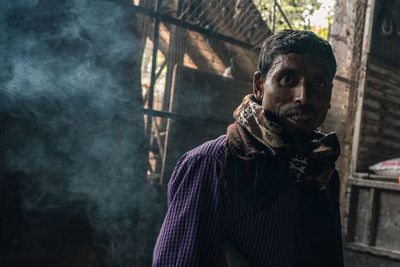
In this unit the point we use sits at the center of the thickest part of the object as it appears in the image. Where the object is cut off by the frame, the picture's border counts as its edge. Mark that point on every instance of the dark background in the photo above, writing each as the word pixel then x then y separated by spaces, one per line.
pixel 72 187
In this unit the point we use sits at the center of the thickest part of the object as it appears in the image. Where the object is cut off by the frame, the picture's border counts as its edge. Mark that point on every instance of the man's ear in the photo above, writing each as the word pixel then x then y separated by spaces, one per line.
pixel 258 89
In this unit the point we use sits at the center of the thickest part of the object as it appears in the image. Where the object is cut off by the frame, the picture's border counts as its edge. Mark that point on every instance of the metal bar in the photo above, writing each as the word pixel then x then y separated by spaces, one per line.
pixel 163 114
pixel 164 156
pixel 284 16
pixel 175 55
pixel 189 26
pixel 156 35
pixel 161 69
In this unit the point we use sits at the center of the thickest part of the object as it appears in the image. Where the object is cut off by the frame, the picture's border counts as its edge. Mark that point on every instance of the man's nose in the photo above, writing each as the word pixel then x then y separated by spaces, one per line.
pixel 301 93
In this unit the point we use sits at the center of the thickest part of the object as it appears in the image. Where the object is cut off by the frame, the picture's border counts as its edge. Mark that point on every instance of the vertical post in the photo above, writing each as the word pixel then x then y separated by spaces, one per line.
pixel 373 216
pixel 153 71
pixel 176 52
pixel 362 82
pixel 352 213
pixel 283 15
pixel 273 16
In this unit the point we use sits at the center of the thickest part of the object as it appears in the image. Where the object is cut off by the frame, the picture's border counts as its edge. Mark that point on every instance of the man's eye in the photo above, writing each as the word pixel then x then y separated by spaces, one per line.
pixel 285 80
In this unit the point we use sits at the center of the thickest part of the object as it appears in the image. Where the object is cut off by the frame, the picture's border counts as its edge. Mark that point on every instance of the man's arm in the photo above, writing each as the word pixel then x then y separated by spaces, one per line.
pixel 192 232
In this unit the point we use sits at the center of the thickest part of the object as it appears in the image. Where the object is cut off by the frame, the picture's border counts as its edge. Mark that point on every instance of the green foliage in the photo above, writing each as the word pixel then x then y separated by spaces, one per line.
pixel 298 12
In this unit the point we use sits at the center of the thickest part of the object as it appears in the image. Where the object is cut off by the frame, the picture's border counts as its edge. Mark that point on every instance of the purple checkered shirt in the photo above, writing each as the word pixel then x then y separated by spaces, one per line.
pixel 202 214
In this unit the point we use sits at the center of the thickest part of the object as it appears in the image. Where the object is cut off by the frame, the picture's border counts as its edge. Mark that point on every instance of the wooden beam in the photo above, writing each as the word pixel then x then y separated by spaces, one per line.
pixel 208 32
pixel 390 253
pixel 345 80
pixel 161 69
pixel 162 114
pixel 372 216
pixel 375 184
pixel 352 214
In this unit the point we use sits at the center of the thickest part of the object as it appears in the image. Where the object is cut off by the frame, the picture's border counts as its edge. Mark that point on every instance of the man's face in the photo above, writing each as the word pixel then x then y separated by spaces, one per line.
pixel 297 88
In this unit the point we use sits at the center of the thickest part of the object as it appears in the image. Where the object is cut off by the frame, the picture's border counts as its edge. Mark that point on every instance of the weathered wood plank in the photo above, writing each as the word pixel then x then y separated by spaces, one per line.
pixel 394 254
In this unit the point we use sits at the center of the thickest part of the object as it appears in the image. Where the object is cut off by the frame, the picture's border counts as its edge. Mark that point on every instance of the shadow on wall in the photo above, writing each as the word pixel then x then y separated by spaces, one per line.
pixel 72 178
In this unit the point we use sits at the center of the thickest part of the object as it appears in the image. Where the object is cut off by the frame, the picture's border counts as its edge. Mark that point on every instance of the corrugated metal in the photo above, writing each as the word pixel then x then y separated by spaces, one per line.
pixel 380 124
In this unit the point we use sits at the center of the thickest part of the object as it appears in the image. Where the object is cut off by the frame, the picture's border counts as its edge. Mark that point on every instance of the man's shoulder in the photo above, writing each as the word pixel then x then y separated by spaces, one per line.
pixel 213 148
pixel 194 164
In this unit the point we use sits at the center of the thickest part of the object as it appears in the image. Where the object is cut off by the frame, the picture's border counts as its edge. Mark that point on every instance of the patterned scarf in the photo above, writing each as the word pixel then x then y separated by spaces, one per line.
pixel 252 117
pixel 314 163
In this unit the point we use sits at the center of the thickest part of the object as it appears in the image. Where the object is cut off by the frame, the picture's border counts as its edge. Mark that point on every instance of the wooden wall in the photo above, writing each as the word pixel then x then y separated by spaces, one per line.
pixel 372 215
pixel 346 36
pixel 380 122
pixel 336 118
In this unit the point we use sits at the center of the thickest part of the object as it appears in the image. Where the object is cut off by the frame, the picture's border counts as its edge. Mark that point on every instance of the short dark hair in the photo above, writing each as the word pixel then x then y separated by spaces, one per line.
pixel 294 41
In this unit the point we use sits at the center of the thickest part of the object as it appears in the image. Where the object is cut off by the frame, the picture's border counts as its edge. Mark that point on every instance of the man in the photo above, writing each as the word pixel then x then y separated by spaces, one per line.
pixel 266 194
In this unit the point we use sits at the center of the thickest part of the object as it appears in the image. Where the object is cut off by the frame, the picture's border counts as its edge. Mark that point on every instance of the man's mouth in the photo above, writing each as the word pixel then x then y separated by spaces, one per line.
pixel 300 117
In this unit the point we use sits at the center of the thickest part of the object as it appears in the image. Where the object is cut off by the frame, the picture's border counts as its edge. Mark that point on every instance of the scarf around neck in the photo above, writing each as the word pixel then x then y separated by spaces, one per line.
pixel 315 163
pixel 251 116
